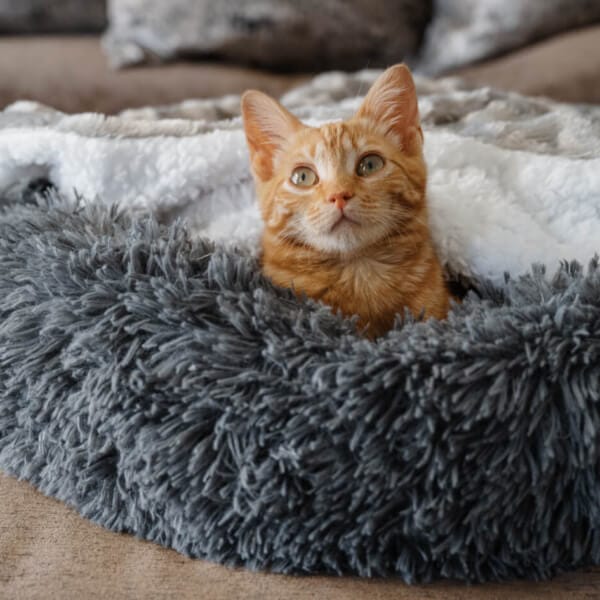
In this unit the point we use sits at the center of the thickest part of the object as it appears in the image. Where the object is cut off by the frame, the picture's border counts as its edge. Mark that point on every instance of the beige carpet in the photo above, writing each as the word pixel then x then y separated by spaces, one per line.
pixel 48 551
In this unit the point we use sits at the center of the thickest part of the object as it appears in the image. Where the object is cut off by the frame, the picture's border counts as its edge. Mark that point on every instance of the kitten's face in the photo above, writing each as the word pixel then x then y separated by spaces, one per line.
pixel 340 187
pixel 346 185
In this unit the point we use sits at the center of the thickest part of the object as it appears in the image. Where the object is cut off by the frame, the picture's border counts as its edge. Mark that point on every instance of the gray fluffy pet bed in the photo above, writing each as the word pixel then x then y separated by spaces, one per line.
pixel 162 387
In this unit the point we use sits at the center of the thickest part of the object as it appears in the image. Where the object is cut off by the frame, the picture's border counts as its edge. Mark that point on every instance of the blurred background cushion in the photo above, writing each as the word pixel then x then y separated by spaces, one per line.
pixel 565 67
pixel 465 31
pixel 52 16
pixel 283 34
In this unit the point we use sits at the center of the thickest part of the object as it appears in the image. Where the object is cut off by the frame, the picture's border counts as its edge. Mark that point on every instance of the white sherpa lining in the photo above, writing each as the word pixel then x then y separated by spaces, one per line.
pixel 512 181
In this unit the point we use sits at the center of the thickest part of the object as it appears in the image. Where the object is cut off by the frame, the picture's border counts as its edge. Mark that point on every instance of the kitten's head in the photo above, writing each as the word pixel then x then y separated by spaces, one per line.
pixel 343 186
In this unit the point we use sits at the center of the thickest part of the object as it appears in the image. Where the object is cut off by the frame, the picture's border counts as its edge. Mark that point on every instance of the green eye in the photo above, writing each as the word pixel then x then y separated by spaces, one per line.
pixel 303 177
pixel 369 164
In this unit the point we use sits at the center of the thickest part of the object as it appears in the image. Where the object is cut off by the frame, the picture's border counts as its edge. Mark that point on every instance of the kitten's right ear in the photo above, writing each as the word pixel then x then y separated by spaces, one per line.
pixel 268 126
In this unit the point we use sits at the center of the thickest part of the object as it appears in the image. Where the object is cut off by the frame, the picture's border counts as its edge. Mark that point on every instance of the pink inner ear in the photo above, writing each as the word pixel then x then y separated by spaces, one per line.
pixel 268 127
pixel 392 104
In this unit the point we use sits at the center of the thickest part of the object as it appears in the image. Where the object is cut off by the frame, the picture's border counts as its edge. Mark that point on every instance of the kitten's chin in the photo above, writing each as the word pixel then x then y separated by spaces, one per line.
pixel 345 237
pixel 343 221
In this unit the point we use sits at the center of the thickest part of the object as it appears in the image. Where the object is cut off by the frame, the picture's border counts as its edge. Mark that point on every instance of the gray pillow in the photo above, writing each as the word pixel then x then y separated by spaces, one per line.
pixel 52 16
pixel 309 35
pixel 464 31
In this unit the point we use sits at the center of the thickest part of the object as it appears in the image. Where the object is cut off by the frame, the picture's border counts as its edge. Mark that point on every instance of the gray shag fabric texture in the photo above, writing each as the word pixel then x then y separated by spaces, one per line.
pixel 162 387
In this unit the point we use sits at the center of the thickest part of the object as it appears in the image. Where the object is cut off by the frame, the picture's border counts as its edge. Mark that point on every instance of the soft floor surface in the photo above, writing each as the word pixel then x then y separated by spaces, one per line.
pixel 50 552
pixel 162 387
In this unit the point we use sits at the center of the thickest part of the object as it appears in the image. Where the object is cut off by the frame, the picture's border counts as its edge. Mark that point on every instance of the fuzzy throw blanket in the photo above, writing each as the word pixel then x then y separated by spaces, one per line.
pixel 513 181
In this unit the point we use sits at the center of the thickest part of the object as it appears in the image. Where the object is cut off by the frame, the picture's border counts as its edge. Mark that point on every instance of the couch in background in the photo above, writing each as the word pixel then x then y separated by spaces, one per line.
pixel 228 49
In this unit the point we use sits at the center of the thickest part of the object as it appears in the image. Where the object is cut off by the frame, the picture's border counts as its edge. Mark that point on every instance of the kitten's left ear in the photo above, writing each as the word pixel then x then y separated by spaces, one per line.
pixel 268 128
pixel 392 104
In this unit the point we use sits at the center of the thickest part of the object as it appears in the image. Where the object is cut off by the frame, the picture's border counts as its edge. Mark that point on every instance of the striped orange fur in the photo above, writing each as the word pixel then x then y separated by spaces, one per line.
pixel 344 205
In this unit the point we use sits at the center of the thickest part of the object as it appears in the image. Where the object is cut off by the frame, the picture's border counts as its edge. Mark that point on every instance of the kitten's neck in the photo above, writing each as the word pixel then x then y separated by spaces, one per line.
pixel 377 283
pixel 374 268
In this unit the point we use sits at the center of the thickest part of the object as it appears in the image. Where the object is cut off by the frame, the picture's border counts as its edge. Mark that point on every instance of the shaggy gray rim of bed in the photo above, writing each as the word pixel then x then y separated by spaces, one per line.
pixel 162 387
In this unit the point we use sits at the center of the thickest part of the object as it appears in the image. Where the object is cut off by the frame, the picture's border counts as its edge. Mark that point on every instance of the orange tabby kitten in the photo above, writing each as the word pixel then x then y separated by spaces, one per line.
pixel 344 205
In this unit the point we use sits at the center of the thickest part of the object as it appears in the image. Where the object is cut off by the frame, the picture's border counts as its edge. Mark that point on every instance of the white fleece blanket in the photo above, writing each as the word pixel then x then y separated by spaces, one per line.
pixel 512 180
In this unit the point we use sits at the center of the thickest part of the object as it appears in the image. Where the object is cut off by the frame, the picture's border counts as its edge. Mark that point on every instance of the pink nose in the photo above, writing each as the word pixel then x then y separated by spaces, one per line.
pixel 340 199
